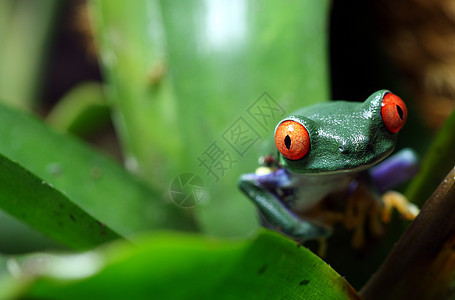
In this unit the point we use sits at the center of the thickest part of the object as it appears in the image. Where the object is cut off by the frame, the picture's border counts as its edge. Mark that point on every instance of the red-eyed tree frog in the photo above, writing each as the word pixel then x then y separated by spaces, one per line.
pixel 324 158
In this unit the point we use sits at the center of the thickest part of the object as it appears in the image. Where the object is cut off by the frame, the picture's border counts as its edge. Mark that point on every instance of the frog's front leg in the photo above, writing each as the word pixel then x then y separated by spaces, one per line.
pixel 392 199
pixel 258 188
pixel 390 173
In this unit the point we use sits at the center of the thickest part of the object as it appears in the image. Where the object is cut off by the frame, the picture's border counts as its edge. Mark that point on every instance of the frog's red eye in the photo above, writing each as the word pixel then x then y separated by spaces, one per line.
pixel 292 140
pixel 393 112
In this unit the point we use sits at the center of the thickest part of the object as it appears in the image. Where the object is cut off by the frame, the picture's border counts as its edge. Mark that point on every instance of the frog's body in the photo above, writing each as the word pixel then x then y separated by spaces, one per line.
pixel 324 152
pixel 312 189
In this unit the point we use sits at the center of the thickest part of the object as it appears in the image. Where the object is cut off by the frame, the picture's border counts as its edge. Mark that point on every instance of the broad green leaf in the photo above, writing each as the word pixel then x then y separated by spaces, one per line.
pixel 182 73
pixel 95 183
pixel 17 237
pixel 177 266
pixel 38 204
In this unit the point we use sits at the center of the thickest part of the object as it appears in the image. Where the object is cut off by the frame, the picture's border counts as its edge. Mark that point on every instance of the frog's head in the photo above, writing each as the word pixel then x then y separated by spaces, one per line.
pixel 340 136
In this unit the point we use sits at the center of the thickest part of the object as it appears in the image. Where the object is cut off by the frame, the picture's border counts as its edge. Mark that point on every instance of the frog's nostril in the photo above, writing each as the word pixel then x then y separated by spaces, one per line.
pixel 345 149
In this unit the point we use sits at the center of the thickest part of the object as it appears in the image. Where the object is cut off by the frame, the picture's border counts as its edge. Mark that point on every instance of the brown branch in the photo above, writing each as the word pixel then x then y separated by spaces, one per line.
pixel 422 263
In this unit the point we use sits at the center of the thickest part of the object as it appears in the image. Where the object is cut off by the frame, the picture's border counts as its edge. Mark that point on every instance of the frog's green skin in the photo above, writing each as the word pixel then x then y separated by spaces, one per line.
pixel 346 138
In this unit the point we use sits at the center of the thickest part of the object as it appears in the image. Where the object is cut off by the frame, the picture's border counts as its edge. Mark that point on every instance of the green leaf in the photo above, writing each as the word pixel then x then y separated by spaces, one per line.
pixel 95 183
pixel 436 163
pixel 177 266
pixel 39 205
pixel 180 74
pixel 17 237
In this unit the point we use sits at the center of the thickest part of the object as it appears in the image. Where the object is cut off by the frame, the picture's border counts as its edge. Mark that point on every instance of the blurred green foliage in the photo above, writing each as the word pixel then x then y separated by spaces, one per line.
pixel 162 266
pixel 53 214
pixel 181 80
pixel 81 111
pixel 180 74
pixel 436 163
pixel 89 179
pixel 26 28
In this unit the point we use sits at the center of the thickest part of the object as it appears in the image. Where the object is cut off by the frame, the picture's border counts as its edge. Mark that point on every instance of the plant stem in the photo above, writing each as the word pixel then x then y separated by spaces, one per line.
pixel 422 264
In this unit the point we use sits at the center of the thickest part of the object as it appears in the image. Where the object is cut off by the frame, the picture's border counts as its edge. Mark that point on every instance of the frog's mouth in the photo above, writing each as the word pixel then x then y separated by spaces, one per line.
pixel 347 171
pixel 336 165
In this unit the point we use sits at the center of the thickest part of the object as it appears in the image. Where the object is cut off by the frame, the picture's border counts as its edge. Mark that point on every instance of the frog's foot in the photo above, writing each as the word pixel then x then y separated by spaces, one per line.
pixel 392 199
pixel 355 216
pixel 375 224
pixel 276 214
pixel 355 212
pixel 363 208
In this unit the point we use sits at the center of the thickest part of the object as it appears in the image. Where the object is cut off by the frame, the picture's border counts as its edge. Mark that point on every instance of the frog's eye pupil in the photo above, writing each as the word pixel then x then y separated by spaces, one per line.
pixel 292 139
pixel 287 142
pixel 393 112
pixel 400 112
